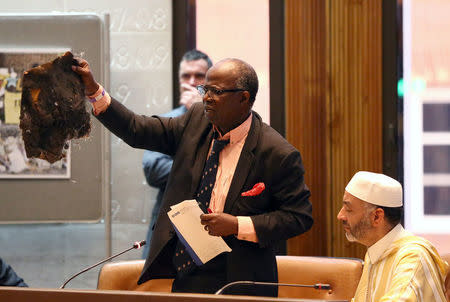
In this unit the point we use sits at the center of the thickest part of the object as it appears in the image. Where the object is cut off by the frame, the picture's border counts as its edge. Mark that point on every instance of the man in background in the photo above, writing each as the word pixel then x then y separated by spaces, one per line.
pixel 8 276
pixel 157 166
pixel 398 266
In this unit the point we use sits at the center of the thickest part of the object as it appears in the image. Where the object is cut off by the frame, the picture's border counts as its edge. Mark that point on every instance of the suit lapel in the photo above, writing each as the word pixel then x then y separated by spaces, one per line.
pixel 200 160
pixel 244 165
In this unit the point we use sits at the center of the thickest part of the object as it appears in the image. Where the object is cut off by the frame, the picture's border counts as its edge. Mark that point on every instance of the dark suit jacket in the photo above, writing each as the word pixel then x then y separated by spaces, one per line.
pixel 281 211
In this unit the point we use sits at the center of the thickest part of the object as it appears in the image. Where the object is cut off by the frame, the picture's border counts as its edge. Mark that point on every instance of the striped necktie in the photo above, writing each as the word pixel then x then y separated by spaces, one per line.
pixel 182 260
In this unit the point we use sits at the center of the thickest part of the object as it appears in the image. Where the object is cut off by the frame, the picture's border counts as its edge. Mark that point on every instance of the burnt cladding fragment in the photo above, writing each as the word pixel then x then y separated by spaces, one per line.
pixel 52 108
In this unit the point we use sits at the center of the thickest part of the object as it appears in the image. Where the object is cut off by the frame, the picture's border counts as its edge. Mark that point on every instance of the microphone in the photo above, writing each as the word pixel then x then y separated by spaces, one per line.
pixel 136 245
pixel 319 286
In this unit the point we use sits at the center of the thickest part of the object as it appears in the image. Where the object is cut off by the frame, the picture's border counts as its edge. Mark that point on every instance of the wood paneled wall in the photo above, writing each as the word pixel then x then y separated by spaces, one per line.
pixel 306 88
pixel 333 107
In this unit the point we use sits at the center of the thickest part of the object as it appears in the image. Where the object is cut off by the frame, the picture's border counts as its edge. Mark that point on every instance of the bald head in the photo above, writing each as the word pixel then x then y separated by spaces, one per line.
pixel 244 74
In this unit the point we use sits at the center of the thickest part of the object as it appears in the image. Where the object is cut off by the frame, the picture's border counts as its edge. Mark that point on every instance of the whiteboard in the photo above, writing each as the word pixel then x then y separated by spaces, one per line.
pixel 81 196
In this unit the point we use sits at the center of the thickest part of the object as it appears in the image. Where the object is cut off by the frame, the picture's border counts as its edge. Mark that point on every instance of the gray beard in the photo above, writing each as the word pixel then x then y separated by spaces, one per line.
pixel 359 231
pixel 350 237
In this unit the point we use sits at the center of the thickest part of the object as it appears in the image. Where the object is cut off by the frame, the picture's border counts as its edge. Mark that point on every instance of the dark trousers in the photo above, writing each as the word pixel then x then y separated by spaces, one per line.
pixel 212 276
pixel 206 279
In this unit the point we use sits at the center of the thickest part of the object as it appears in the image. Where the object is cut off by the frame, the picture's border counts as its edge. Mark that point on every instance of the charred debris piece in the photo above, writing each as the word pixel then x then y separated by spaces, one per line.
pixel 53 109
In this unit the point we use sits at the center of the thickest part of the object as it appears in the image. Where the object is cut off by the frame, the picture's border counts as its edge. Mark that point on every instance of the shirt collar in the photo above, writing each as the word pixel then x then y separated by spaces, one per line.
pixel 378 248
pixel 237 134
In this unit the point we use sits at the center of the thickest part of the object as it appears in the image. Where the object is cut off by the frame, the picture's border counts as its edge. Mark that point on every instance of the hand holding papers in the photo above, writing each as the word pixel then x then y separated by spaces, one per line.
pixel 202 247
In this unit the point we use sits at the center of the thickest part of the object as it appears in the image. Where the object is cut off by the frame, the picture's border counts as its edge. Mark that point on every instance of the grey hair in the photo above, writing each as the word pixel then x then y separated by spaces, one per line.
pixel 392 215
pixel 247 80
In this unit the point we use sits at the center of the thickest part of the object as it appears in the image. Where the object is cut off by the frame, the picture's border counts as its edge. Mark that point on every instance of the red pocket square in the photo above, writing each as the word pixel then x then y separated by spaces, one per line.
pixel 256 190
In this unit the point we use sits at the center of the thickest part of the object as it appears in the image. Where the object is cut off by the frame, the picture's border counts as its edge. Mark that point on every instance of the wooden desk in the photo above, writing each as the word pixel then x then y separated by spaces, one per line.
pixel 18 294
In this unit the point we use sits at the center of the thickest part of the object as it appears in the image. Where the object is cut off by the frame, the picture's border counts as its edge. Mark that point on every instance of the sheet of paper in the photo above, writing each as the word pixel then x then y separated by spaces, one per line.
pixel 12 107
pixel 185 217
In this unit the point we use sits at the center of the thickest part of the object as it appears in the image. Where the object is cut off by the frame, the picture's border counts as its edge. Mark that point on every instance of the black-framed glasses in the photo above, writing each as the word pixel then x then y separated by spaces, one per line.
pixel 202 89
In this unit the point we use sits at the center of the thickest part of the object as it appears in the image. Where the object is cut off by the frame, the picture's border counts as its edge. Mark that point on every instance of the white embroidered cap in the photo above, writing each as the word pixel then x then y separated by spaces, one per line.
pixel 377 189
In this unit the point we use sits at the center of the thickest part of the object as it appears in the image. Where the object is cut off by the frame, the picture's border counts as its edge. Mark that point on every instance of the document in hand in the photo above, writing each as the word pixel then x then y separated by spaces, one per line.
pixel 201 246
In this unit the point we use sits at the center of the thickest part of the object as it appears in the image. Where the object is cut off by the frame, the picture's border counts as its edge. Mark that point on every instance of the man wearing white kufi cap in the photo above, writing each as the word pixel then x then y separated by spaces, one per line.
pixel 398 265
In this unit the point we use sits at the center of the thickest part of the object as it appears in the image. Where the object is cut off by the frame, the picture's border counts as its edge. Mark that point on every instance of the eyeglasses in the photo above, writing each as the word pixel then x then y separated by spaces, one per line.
pixel 202 89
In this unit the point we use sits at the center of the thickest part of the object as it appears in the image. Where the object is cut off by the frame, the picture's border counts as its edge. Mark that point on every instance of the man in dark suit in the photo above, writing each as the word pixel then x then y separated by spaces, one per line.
pixel 191 73
pixel 251 223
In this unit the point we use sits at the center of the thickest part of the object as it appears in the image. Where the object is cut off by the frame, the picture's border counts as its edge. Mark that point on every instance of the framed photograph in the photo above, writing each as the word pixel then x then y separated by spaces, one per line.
pixel 13 160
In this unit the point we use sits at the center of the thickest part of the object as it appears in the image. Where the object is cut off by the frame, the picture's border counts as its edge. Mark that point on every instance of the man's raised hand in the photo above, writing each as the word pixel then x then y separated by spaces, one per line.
pixel 189 95
pixel 83 69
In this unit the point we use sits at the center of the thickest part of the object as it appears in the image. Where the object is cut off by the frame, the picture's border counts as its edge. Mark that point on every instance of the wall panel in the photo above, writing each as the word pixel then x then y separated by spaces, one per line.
pixel 355 102
pixel 333 107
pixel 306 111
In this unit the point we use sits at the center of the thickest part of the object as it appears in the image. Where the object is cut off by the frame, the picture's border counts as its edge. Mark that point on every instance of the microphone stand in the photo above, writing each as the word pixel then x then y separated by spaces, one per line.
pixel 318 286
pixel 136 245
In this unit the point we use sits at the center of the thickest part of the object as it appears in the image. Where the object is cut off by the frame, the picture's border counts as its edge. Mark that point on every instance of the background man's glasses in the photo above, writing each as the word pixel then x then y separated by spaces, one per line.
pixel 202 89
